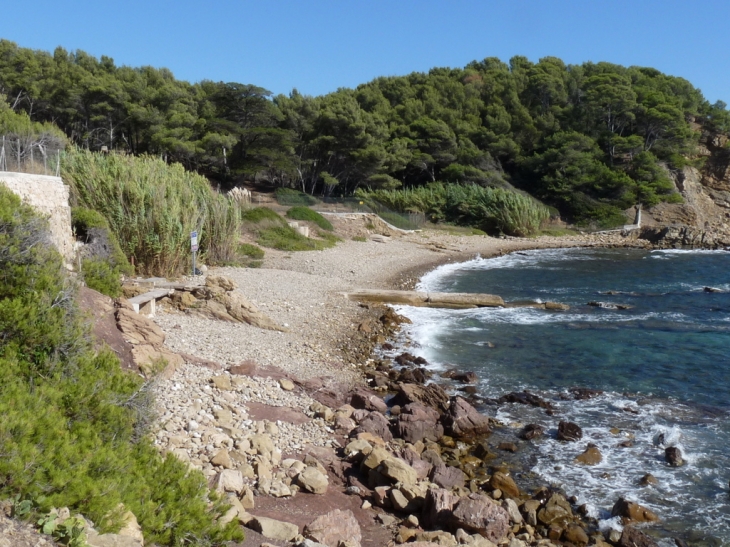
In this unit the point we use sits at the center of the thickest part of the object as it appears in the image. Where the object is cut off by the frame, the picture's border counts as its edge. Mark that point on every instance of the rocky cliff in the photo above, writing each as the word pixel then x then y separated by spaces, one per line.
pixel 703 220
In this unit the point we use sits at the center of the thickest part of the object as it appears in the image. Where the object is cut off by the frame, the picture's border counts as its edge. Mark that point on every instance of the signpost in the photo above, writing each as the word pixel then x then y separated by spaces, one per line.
pixel 194 248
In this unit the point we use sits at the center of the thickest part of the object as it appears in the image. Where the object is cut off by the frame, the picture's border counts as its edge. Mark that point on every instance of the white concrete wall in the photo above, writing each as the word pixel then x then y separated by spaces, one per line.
pixel 48 195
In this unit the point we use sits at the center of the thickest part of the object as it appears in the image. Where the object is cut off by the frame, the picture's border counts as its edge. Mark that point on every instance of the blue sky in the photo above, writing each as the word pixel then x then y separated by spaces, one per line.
pixel 318 46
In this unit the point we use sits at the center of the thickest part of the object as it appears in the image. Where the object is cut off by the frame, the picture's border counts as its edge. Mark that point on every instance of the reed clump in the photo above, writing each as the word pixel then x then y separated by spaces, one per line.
pixel 494 210
pixel 152 208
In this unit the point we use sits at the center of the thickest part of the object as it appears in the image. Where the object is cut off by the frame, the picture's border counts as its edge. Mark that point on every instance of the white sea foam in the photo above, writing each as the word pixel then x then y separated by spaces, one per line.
pixel 435 280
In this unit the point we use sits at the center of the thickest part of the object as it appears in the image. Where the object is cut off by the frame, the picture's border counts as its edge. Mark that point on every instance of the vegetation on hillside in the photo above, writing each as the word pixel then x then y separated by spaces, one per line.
pixel 489 209
pixel 73 428
pixel 307 214
pixel 589 139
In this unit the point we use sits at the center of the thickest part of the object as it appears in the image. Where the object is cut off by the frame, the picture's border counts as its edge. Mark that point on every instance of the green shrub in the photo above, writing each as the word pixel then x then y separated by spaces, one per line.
pixel 285 238
pixel 251 251
pixel 100 272
pixel 359 238
pixel 101 276
pixel 291 197
pixel 152 207
pixel 259 214
pixel 73 427
pixel 304 213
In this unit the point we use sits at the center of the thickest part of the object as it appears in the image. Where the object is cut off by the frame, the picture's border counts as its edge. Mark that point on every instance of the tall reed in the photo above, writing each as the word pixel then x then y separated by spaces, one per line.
pixel 152 207
pixel 491 209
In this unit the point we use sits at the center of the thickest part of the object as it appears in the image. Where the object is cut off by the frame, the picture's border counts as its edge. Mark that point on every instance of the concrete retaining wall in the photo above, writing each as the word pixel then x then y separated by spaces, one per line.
pixel 48 195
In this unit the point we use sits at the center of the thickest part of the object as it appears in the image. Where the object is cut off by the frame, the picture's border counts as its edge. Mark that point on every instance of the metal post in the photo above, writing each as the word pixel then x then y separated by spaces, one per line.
pixel 18 155
pixel 194 253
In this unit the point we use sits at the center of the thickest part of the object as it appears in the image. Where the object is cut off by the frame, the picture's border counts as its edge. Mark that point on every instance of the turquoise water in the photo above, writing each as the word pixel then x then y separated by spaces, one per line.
pixel 663 364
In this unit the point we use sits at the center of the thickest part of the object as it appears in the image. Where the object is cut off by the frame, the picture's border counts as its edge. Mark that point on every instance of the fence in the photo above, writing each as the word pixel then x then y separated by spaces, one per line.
pixel 30 155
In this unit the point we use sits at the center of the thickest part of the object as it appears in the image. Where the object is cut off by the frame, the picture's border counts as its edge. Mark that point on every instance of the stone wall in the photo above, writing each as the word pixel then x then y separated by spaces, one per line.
pixel 48 195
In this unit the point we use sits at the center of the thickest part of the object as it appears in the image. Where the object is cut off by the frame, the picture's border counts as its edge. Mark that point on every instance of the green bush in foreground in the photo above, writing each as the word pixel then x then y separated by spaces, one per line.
pixel 73 424
pixel 307 214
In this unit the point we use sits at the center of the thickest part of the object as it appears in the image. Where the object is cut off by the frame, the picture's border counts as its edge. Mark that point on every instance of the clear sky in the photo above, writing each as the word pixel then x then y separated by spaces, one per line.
pixel 318 46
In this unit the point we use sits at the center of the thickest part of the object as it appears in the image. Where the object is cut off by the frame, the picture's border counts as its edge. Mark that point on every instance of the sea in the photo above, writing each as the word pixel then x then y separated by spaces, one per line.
pixel 657 346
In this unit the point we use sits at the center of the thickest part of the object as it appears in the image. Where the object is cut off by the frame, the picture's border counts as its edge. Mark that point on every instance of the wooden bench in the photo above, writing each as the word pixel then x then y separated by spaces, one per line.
pixel 145 303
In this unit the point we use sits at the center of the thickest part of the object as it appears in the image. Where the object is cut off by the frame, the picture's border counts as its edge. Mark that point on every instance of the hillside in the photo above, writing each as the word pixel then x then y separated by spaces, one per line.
pixel 590 140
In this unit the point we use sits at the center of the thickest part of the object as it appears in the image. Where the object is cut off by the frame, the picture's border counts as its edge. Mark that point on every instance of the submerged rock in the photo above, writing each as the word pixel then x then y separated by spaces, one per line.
pixel 568 431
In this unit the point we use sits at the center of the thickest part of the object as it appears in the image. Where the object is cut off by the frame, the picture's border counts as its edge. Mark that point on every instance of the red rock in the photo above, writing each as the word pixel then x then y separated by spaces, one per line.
pixel 447 477
pixel 332 528
pixel 463 421
pixel 478 514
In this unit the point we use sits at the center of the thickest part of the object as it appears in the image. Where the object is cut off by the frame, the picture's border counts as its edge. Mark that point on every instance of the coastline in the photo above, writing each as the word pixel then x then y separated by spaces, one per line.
pixel 329 337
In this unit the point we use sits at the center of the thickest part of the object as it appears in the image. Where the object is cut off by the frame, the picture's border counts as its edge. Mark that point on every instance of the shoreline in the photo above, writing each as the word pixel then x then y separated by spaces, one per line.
pixel 329 336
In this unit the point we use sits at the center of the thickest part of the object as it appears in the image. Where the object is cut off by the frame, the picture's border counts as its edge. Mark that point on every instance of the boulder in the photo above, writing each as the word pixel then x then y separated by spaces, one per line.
pixel 398 471
pixel 438 507
pixel 313 480
pixel 532 431
pixel 431 395
pixel 630 511
pixel 230 480
pixel 568 431
pixel 334 527
pixel 376 424
pixel 447 477
pixel 220 282
pixel 648 480
pixel 478 514
pixel 138 329
pixel 374 458
pixel 466 377
pixel 462 420
pixel 591 456
pixel 513 511
pixel 557 510
pixel 367 400
pixel 673 456
pixel 576 535
pixel 240 309
pixel 274 529
pixel 417 422
pixel 631 537
pixel 222 459
pixel 156 361
pixel 505 483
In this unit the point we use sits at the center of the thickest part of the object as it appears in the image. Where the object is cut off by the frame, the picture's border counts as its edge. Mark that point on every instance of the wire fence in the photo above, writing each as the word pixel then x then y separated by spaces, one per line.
pixel 38 156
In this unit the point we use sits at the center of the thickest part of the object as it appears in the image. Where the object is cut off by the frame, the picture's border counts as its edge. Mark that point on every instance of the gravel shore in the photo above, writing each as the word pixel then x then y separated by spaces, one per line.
pixel 304 292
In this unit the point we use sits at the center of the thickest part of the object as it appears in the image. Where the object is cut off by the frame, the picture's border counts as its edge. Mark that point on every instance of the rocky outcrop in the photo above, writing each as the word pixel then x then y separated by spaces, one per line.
pixel 703 219
pixel 147 340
